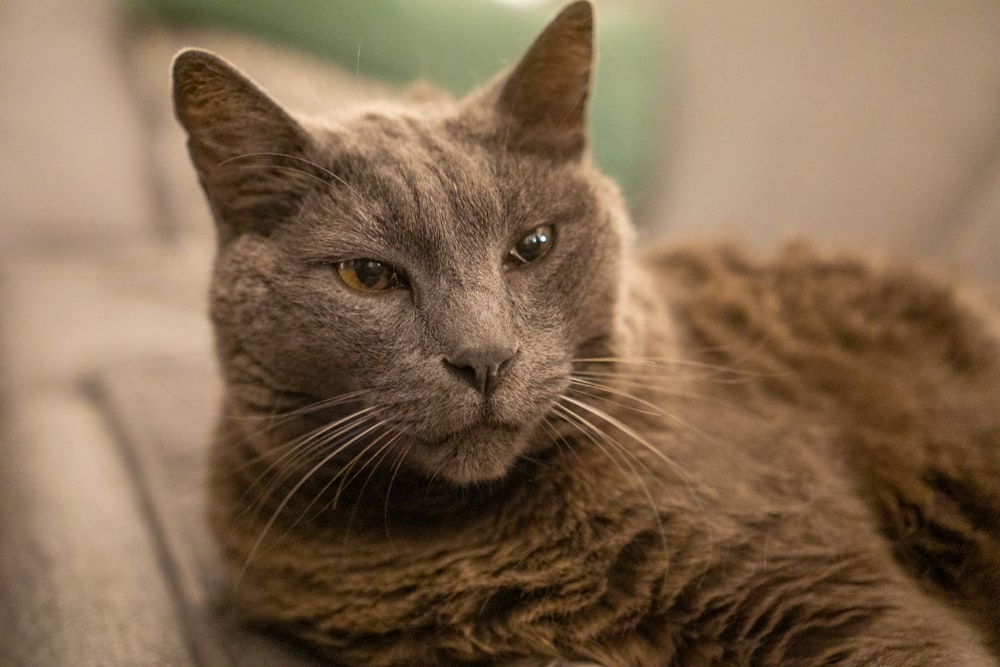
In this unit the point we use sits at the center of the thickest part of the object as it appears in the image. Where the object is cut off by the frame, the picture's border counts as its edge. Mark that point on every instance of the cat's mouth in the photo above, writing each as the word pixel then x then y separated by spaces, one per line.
pixel 479 453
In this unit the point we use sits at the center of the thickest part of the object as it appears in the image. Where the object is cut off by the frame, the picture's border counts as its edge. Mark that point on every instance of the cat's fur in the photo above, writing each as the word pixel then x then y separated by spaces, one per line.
pixel 688 457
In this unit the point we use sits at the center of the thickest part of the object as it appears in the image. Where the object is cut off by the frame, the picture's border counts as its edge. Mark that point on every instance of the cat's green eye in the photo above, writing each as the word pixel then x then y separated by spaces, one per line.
pixel 532 247
pixel 368 275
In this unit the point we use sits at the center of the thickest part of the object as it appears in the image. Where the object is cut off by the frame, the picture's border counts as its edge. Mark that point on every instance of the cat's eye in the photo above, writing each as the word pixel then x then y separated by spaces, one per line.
pixel 532 247
pixel 369 275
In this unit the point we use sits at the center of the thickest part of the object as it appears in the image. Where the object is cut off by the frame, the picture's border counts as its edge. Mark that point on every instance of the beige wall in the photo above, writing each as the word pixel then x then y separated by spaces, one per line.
pixel 870 124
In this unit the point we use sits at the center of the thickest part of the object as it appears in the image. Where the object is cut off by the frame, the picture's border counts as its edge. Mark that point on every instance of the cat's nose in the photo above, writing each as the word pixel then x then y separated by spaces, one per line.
pixel 481 367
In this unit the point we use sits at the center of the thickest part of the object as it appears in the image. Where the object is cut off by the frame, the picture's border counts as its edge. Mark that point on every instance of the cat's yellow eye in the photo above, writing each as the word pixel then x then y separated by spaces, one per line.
pixel 532 247
pixel 368 275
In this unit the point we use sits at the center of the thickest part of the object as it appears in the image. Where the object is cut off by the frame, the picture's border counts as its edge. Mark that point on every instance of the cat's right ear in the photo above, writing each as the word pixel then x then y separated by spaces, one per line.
pixel 541 103
pixel 250 154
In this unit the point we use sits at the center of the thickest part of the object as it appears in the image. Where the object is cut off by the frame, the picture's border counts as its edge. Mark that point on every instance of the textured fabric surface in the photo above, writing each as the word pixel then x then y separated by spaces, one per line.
pixel 163 413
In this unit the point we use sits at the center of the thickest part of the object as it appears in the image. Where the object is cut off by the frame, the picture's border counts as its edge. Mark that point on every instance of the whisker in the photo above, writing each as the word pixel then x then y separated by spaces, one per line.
pixel 300 448
pixel 278 419
pixel 392 478
pixel 654 362
pixel 557 438
pixel 380 454
pixel 251 555
pixel 591 430
pixel 286 415
pixel 690 482
pixel 363 454
pixel 280 167
pixel 675 362
pixel 348 469
pixel 576 382
pixel 657 410
pixel 669 387
pixel 672 380
pixel 629 431
pixel 342 475
pixel 288 156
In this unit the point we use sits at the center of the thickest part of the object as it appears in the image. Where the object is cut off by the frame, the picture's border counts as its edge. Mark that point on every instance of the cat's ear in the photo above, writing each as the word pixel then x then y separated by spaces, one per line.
pixel 250 154
pixel 542 102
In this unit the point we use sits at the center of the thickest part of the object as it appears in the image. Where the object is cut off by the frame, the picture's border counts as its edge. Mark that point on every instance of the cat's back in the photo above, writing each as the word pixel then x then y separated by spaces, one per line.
pixel 889 343
pixel 901 367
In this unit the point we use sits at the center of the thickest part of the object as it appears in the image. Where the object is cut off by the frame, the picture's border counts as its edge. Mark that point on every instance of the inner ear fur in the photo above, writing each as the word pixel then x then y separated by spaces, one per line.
pixel 542 102
pixel 250 154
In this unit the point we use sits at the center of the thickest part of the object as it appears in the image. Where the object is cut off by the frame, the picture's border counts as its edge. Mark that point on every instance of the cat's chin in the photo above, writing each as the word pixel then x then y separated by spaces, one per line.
pixel 478 454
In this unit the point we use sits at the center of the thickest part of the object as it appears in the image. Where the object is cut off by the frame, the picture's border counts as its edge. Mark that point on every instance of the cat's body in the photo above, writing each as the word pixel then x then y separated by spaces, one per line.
pixel 454 453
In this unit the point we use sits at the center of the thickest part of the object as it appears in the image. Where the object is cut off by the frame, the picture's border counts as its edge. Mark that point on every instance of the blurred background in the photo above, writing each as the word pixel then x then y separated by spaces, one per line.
pixel 869 125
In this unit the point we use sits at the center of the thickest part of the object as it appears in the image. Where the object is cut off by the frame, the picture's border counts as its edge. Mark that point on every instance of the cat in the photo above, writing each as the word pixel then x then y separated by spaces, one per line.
pixel 465 422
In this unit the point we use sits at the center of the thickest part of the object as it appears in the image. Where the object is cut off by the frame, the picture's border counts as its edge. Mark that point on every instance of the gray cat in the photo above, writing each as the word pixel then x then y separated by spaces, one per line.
pixel 464 423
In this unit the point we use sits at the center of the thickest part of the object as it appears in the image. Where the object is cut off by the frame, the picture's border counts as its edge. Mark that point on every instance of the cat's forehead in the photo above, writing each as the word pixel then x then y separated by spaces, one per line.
pixel 379 143
pixel 423 181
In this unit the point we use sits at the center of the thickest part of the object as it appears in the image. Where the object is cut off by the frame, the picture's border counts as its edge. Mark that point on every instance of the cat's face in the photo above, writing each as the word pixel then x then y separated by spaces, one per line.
pixel 430 275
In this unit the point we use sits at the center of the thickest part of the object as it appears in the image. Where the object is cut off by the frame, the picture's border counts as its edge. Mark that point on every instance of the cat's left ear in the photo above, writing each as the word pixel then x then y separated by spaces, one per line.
pixel 542 102
pixel 250 154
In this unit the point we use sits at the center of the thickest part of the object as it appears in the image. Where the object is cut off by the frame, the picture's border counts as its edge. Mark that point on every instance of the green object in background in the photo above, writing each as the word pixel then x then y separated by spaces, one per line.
pixel 458 44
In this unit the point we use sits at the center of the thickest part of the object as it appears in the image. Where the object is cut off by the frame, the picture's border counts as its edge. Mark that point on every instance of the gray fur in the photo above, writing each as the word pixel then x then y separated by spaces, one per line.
pixel 688 457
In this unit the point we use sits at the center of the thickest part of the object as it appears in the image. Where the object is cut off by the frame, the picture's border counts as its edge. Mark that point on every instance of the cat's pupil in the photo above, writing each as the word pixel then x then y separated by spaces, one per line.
pixel 533 246
pixel 370 273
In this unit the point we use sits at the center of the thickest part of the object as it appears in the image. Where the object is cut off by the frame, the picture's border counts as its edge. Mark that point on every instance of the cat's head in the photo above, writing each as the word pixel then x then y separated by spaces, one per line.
pixel 432 271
